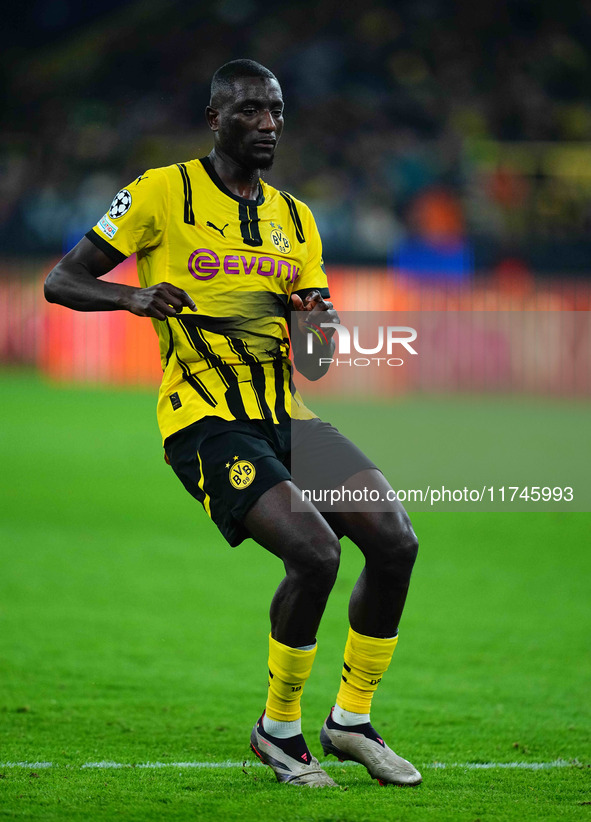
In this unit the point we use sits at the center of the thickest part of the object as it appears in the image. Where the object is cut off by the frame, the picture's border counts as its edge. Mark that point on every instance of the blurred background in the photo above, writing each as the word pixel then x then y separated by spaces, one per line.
pixel 444 147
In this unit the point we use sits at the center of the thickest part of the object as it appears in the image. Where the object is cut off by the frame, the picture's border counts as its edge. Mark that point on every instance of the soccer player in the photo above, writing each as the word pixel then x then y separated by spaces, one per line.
pixel 221 258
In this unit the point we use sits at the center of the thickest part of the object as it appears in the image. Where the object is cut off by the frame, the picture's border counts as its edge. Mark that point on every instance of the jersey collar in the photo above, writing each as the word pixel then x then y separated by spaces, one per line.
pixel 216 179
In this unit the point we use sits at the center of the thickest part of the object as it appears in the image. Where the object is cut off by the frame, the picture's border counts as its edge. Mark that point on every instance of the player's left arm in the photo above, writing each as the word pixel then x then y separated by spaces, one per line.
pixel 312 343
pixel 311 340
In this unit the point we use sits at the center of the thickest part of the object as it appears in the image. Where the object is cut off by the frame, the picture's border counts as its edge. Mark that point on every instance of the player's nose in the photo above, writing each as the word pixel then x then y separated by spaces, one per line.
pixel 266 122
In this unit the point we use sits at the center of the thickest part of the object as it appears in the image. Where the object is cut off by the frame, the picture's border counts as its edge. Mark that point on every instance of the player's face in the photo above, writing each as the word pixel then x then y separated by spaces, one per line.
pixel 250 124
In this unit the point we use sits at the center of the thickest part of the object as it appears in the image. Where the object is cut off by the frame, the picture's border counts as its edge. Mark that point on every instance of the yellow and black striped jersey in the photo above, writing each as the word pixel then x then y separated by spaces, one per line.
pixel 240 261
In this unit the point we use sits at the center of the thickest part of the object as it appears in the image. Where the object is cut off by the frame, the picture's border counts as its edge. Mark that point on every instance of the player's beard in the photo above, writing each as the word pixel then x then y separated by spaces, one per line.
pixel 257 163
pixel 266 164
pixel 244 155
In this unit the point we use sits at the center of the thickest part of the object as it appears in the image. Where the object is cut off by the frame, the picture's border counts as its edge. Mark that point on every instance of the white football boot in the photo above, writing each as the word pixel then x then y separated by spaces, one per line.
pixel 292 763
pixel 361 743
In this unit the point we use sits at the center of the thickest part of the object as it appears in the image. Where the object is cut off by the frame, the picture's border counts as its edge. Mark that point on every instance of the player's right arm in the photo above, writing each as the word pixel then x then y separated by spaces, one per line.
pixel 136 221
pixel 75 283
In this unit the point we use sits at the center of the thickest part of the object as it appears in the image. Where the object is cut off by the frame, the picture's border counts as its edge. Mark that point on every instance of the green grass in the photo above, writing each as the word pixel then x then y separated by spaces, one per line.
pixel 130 632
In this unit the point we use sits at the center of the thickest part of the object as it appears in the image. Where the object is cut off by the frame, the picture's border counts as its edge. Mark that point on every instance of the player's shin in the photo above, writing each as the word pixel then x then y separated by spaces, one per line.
pixel 276 738
pixel 366 660
pixel 289 668
pixel 347 732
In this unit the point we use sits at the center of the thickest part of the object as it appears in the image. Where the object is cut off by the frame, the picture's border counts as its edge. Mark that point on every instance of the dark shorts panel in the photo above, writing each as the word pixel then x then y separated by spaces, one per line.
pixel 228 464
pixel 321 457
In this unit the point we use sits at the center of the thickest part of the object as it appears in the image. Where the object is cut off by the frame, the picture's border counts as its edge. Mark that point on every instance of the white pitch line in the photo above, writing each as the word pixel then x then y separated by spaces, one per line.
pixel 469 766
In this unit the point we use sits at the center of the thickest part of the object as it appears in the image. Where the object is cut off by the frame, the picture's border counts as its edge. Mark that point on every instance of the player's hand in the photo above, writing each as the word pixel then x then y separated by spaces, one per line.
pixel 159 301
pixel 313 310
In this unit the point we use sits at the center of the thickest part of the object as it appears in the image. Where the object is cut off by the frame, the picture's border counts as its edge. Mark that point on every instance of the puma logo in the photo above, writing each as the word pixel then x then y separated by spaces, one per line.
pixel 221 230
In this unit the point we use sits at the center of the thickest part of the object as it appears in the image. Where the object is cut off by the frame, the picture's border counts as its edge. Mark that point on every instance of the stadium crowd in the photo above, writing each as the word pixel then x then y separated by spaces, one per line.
pixel 402 119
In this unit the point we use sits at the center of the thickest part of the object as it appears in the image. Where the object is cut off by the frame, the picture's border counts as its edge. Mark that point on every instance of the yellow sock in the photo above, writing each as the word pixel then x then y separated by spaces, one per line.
pixel 366 660
pixel 289 668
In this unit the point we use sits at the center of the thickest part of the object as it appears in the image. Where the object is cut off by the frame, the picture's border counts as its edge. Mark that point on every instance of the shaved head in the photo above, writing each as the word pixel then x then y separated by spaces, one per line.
pixel 222 82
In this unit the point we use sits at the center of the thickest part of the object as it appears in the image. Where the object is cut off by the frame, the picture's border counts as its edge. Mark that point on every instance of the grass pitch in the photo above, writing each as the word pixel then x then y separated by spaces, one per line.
pixel 131 634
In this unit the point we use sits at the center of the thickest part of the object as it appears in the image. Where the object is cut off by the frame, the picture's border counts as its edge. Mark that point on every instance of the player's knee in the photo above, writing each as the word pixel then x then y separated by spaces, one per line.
pixel 408 546
pixel 397 551
pixel 321 571
pixel 317 567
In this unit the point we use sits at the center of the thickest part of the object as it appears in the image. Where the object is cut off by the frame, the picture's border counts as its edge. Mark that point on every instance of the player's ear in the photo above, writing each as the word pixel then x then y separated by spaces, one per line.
pixel 212 116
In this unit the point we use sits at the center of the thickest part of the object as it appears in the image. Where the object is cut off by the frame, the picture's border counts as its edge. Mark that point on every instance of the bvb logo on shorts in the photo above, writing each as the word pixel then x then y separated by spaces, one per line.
pixel 242 474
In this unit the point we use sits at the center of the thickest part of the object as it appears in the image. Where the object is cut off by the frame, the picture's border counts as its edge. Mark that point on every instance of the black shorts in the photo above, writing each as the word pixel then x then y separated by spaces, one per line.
pixel 228 464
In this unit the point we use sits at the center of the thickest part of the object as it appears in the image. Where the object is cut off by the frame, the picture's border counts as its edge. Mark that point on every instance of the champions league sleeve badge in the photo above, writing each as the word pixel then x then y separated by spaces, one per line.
pixel 120 205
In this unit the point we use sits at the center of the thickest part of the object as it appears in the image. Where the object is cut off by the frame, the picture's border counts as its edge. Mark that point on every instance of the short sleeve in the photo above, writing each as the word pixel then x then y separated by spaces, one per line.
pixel 313 275
pixel 136 218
